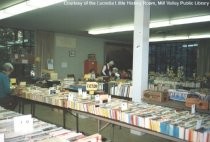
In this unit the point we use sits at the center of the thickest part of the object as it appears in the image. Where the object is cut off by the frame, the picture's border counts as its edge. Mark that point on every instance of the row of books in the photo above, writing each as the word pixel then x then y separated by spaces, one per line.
pixel 182 95
pixel 179 124
pixel 188 84
pixel 161 85
pixel 42 95
pixel 41 131
pixel 178 94
pixel 67 82
pixel 122 90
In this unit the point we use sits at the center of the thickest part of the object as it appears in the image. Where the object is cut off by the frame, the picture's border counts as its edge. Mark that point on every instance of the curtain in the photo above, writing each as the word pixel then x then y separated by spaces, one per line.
pixel 44 50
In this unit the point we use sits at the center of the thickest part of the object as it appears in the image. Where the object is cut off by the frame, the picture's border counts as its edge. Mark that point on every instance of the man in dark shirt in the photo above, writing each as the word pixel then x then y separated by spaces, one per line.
pixel 106 70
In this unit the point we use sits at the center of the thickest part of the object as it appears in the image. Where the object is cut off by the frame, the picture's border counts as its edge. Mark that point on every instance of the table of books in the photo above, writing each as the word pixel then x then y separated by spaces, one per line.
pixel 39 132
pixel 152 119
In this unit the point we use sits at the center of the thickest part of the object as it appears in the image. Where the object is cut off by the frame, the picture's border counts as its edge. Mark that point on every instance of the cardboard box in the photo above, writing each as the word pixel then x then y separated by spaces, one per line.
pixel 199 104
pixel 158 96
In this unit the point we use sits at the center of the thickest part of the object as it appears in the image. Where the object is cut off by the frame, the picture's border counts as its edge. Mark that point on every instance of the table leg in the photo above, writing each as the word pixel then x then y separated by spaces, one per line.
pixel 64 118
pixel 77 122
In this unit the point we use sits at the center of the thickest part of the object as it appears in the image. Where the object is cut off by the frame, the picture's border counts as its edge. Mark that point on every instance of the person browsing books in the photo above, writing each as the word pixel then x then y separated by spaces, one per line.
pixel 5 91
pixel 107 69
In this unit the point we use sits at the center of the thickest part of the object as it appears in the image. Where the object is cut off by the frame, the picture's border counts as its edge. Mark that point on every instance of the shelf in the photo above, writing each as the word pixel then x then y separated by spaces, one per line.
pixel 18 45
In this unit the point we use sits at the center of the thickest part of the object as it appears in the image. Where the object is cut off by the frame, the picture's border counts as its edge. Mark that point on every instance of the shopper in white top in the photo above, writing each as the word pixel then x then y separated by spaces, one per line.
pixel 107 70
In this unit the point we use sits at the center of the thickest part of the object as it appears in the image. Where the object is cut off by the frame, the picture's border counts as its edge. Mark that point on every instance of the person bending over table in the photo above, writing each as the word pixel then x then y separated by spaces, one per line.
pixel 6 100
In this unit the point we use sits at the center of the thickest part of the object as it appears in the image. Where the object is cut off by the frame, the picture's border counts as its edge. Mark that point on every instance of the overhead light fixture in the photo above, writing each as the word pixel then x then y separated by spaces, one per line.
pixel 4 15
pixel 189 20
pixel 180 37
pixel 26 6
pixel 113 29
pixel 168 38
pixel 155 39
pixel 198 36
pixel 157 24
pixel 42 3
pixel 153 24
pixel 19 8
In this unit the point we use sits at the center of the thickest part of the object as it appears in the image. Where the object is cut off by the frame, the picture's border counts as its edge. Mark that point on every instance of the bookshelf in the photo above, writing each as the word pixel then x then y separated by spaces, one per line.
pixel 17 47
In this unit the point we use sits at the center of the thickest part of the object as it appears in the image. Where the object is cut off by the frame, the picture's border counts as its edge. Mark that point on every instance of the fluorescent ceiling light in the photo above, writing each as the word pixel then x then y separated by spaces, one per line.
pixel 180 37
pixel 42 3
pixel 19 8
pixel 153 24
pixel 4 15
pixel 26 6
pixel 168 38
pixel 155 39
pixel 113 29
pixel 158 24
pixel 207 35
pixel 186 20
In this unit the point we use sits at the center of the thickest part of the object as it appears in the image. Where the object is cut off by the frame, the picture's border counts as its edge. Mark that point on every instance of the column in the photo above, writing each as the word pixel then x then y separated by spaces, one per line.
pixel 140 49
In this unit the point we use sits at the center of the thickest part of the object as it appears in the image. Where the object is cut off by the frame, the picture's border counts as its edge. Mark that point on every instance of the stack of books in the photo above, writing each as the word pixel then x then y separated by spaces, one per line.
pixel 41 131
pixel 67 82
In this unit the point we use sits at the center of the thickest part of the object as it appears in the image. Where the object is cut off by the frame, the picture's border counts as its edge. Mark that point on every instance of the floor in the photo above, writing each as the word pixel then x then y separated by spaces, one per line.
pixel 111 133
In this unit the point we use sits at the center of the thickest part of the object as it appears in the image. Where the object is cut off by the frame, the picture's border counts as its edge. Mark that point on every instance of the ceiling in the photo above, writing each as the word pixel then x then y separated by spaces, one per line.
pixel 77 20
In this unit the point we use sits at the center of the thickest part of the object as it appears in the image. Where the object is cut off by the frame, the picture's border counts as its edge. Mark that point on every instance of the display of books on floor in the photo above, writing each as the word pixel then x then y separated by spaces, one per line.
pixel 23 128
pixel 179 124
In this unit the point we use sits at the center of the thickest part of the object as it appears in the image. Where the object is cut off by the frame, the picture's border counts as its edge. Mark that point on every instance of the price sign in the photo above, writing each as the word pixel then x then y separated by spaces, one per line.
pixel 84 95
pixel 52 91
pixel 97 98
pixel 109 98
pixel 91 86
pixel 23 123
pixel 124 106
pixel 70 97
pixel 1 137
pixel 80 91
pixel 198 124
pixel 193 109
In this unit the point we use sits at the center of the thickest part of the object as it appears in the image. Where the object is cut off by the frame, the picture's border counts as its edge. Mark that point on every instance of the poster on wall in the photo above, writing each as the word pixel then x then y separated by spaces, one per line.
pixel 72 53
pixel 50 64
pixel 64 65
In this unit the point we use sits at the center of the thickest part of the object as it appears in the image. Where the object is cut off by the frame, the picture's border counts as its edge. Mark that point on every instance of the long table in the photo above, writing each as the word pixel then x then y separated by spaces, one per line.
pixel 33 103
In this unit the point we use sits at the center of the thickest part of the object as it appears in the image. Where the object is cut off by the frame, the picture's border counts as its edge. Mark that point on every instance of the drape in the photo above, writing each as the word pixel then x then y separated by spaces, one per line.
pixel 44 49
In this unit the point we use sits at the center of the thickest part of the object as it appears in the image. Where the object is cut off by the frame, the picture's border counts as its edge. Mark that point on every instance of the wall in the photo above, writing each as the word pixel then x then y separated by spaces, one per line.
pixel 120 53
pixel 75 64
